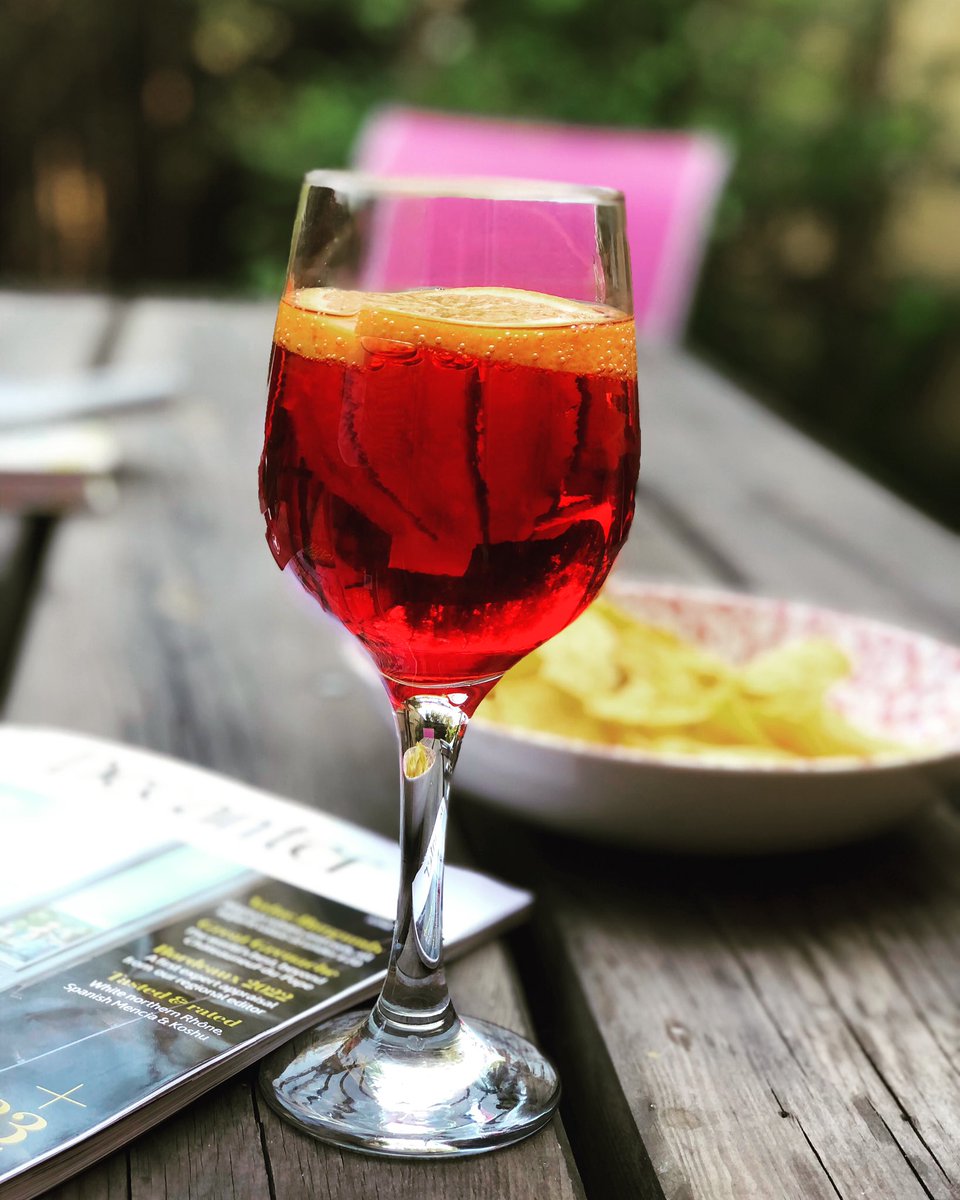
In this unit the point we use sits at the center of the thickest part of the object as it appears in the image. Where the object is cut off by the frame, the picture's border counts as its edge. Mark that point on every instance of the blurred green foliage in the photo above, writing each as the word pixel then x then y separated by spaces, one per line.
pixel 160 145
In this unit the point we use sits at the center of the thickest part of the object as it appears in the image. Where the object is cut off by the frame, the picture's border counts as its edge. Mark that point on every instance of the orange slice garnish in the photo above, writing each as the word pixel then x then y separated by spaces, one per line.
pixel 321 323
pixel 504 325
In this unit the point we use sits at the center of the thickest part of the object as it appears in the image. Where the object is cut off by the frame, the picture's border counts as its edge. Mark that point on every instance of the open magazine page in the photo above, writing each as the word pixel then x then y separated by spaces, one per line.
pixel 160 926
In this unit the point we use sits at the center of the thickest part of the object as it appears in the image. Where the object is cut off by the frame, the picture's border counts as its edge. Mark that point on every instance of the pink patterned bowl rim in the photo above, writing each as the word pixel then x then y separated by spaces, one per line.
pixel 904 686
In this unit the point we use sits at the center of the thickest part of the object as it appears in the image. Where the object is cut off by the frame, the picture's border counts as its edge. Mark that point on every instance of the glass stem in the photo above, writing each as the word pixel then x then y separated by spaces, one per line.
pixel 414 1000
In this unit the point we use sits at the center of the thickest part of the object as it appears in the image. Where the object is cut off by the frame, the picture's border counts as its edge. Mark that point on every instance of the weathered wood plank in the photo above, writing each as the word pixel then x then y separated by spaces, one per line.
pixel 663 547
pixel 106 1182
pixel 781 1028
pixel 168 625
pixel 791 517
pixel 869 970
pixel 903 931
pixel 39 334
pixel 208 1152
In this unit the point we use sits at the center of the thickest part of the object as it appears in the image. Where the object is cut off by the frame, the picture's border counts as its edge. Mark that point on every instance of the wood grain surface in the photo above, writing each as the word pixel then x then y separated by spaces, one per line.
pixel 782 1027
pixel 775 1029
pixel 39 336
pixel 779 514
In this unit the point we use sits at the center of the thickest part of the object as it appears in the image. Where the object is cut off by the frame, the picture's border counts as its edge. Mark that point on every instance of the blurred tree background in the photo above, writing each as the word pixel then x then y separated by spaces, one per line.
pixel 152 146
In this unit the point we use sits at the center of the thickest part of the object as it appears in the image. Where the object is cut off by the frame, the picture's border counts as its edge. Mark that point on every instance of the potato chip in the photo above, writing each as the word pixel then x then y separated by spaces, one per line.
pixel 822 733
pixel 808 667
pixel 532 703
pixel 613 679
pixel 663 698
pixel 733 723
pixel 581 661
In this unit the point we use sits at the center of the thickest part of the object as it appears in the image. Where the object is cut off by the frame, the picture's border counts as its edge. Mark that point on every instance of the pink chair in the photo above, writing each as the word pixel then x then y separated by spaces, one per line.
pixel 671 182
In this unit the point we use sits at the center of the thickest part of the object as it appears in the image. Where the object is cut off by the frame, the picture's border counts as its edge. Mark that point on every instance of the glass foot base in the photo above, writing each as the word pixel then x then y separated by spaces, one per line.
pixel 476 1088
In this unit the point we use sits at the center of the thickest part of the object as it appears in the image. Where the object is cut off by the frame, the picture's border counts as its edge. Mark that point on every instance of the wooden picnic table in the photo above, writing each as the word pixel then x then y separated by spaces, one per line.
pixel 785 1028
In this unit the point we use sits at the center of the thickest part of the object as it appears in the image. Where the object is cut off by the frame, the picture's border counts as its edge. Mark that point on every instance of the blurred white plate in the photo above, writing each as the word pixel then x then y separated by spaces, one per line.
pixel 903 686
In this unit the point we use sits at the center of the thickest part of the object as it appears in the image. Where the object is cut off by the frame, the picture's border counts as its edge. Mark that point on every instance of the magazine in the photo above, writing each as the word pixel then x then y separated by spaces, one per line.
pixel 161 927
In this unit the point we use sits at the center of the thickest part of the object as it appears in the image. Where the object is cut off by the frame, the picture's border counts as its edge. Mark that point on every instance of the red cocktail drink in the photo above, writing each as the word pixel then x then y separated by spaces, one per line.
pixel 451 473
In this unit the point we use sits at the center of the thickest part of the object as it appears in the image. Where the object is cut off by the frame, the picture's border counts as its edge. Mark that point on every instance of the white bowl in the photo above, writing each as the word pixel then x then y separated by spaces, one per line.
pixel 903 686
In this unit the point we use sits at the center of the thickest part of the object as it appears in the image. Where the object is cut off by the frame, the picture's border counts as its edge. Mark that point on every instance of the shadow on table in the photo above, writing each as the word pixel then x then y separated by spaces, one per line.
pixel 902 887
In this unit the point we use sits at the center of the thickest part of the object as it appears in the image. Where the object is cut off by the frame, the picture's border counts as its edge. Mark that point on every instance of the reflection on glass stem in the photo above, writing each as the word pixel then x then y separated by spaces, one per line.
pixel 415 1000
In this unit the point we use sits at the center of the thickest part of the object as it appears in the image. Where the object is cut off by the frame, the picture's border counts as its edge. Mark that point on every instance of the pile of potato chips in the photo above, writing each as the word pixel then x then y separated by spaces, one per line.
pixel 613 679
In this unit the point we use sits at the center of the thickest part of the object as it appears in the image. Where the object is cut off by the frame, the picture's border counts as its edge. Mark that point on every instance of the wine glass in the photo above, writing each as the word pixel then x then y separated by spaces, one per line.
pixel 449 467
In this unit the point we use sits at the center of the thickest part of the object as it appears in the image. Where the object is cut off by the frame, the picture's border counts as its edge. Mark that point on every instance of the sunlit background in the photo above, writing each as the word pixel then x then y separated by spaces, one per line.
pixel 158 147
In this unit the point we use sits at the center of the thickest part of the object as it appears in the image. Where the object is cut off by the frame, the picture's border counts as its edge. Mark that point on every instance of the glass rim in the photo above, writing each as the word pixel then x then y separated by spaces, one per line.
pixel 361 183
